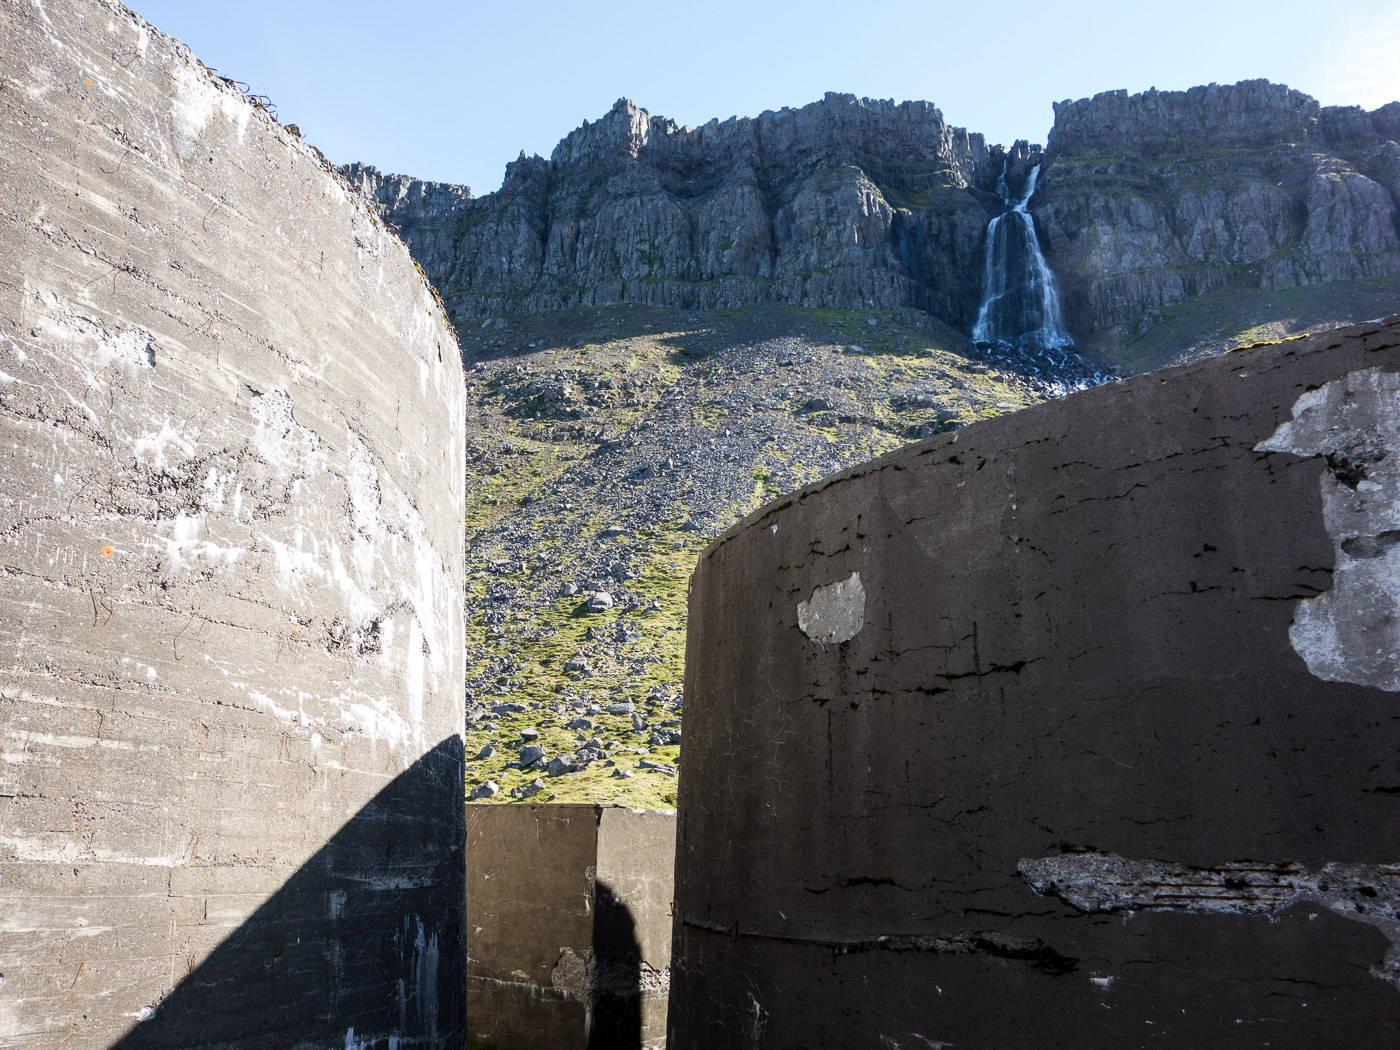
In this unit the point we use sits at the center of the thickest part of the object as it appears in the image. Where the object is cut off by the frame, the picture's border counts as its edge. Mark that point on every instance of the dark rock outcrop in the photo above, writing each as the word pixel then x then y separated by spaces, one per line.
pixel 426 214
pixel 846 202
pixel 1145 202
pixel 1150 199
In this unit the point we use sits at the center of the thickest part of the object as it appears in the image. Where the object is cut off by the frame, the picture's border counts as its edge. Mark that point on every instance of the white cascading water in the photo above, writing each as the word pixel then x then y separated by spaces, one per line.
pixel 1020 320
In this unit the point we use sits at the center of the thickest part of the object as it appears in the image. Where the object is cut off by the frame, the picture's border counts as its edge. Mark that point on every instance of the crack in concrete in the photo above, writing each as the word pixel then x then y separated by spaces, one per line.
pixel 969 942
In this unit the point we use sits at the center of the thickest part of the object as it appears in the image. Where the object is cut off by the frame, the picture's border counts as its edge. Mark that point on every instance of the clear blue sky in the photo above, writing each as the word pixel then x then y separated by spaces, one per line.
pixel 452 91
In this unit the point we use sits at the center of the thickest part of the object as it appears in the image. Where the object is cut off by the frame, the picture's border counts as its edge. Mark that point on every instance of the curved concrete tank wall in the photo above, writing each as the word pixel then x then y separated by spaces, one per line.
pixel 231 472
pixel 1075 728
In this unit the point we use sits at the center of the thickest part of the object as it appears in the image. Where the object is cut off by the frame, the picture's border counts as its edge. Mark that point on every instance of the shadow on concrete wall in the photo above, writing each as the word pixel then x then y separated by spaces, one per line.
pixel 364 944
pixel 617 985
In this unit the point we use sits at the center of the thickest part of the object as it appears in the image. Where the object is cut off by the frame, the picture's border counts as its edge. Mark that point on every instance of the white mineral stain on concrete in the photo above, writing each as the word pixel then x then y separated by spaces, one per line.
pixel 414 682
pixel 196 102
pixel 835 613
pixel 379 719
pixel 151 448
pixel 278 434
pixel 425 970
pixel 130 347
pixel 1351 632
pixel 266 703
pixel 362 481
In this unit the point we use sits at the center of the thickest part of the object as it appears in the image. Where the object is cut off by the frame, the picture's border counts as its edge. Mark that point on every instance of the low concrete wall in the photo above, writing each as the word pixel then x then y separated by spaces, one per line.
pixel 569 912
pixel 1078 728
pixel 231 636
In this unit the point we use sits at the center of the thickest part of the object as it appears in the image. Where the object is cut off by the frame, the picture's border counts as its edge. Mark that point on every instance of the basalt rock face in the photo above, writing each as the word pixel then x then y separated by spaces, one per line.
pixel 1148 200
pixel 846 202
pixel 1145 202
pixel 425 213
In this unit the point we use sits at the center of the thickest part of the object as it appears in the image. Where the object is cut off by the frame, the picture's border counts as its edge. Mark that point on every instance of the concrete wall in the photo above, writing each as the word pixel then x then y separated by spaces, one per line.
pixel 569 913
pixel 1074 728
pixel 231 470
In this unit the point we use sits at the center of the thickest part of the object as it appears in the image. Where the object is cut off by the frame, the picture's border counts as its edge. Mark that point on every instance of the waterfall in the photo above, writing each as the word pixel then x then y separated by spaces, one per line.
pixel 1020 321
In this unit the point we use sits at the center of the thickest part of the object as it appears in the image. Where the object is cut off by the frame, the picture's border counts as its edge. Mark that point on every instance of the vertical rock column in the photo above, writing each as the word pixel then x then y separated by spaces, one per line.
pixel 231 638
pixel 1074 728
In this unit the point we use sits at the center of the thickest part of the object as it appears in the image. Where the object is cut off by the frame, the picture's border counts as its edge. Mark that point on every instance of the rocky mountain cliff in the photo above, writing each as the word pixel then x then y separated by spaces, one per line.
pixel 847 202
pixel 668 326
pixel 1149 201
pixel 1146 203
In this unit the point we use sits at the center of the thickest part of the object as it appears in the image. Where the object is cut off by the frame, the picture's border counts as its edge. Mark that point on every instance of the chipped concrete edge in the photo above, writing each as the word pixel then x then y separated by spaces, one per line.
pixel 1351 632
pixel 1096 882
pixel 835 612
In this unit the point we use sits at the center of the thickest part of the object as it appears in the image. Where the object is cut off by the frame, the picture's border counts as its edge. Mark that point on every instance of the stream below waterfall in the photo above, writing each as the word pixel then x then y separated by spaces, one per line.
pixel 1019 322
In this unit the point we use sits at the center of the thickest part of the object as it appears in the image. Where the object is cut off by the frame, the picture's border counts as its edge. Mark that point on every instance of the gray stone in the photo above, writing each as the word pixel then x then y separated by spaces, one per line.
pixel 1136 206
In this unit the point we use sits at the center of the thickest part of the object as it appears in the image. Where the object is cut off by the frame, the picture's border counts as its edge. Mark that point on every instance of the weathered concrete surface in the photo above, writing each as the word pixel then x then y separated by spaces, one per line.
pixel 1110 752
pixel 231 470
pixel 569 919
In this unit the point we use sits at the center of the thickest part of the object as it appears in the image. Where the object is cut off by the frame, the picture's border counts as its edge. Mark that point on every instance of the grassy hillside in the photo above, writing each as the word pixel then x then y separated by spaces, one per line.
pixel 610 445
pixel 1239 314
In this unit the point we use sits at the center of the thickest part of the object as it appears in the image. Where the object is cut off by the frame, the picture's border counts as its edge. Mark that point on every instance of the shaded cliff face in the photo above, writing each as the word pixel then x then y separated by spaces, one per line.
pixel 1151 200
pixel 1178 223
pixel 843 203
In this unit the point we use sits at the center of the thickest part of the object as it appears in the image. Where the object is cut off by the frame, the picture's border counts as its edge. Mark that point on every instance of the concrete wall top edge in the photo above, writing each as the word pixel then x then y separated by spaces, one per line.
pixel 245 109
